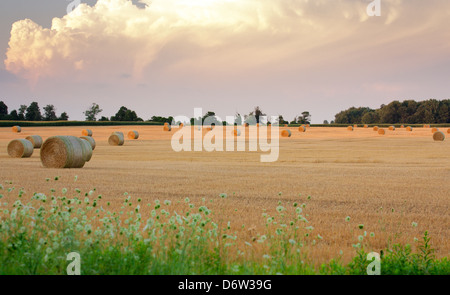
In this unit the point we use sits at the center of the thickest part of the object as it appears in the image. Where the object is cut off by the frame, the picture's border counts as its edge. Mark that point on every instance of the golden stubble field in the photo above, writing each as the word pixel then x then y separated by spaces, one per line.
pixel 345 173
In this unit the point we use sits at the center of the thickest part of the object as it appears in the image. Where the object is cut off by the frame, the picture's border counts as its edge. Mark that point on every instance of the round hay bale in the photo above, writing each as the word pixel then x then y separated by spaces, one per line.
pixel 392 128
pixel 366 126
pixel 237 132
pixel 302 129
pixel 355 126
pixel 16 129
pixel 350 128
pixel 375 128
pixel 403 126
pixel 87 150
pixel 20 148
pixel 438 136
pixel 434 130
pixel 35 140
pixel 448 130
pixel 64 152
pixel 116 139
pixel 381 131
pixel 167 127
pixel 286 125
pixel 409 128
pixel 286 133
pixel 91 140
pixel 87 132
pixel 308 126
pixel 133 135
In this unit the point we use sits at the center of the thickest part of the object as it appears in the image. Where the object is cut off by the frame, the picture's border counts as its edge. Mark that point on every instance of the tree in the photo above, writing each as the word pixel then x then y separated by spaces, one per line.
pixel 325 122
pixel 33 112
pixel 103 119
pixel 14 116
pixel 3 110
pixel 125 114
pixel 22 111
pixel 92 112
pixel 50 113
pixel 63 117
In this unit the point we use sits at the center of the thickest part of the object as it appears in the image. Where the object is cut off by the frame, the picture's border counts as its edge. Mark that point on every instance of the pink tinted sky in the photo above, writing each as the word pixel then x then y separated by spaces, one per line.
pixel 226 56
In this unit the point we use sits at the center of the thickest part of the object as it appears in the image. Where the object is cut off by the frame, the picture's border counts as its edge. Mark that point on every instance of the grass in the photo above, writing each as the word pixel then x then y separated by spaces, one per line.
pixel 167 238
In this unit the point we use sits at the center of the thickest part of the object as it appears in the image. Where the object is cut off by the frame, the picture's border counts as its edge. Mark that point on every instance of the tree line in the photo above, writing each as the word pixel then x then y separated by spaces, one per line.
pixel 430 111
pixel 31 113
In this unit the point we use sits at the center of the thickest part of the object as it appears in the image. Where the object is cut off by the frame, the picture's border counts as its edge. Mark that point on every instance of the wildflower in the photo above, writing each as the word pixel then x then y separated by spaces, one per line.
pixel 360 238
pixel 223 196
pixel 187 200
pixel 372 234
pixel 292 242
pixel 299 210
pixel 280 209
pixel 361 226
pixel 248 244
pixel 76 178
pixel 64 191
pixel 414 224
pixel 347 218
pixel 319 237
pixel 167 202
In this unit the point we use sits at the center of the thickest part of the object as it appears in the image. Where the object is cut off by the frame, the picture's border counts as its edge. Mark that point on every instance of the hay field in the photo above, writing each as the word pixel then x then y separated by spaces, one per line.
pixel 345 173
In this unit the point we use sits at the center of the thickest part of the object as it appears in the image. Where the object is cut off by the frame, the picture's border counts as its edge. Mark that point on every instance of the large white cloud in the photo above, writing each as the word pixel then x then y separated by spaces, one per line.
pixel 116 38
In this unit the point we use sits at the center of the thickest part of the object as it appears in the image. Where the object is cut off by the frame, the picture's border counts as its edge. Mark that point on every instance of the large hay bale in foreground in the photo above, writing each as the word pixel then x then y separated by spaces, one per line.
pixel 439 136
pixel 87 132
pixel 20 148
pixel 116 139
pixel 381 131
pixel 302 129
pixel 392 128
pixel 286 133
pixel 16 129
pixel 35 140
pixel 409 128
pixel 91 140
pixel 64 152
pixel 375 128
pixel 133 135
pixel 350 128
pixel 434 130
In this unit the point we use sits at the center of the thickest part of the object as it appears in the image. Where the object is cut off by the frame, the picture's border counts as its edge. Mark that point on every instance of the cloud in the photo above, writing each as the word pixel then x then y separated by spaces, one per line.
pixel 114 36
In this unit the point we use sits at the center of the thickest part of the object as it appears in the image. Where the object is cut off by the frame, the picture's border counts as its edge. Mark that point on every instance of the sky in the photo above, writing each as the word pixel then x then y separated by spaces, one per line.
pixel 166 57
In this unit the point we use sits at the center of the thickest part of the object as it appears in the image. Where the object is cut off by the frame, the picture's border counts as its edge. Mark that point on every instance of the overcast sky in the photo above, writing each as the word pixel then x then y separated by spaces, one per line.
pixel 167 57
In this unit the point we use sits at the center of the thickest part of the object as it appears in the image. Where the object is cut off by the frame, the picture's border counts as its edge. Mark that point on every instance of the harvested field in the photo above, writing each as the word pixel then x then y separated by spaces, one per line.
pixel 345 173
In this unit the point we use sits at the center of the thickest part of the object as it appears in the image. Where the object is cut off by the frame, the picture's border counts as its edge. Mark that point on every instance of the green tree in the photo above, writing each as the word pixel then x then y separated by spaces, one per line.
pixel 3 110
pixel 50 113
pixel 14 116
pixel 33 112
pixel 64 117
pixel 92 112
pixel 22 112
pixel 125 114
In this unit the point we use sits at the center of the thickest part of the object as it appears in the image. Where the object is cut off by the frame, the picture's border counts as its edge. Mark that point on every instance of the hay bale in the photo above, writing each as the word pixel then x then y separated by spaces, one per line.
pixel 302 129
pixel 409 128
pixel 133 135
pixel 403 126
pixel 308 126
pixel 20 148
pixel 167 127
pixel 87 150
pixel 434 130
pixel 286 133
pixel 366 126
pixel 438 136
pixel 448 130
pixel 381 131
pixel 35 140
pixel 116 139
pixel 64 152
pixel 91 140
pixel 375 128
pixel 355 126
pixel 87 132
pixel 16 129
pixel 286 125
pixel 392 128
pixel 350 128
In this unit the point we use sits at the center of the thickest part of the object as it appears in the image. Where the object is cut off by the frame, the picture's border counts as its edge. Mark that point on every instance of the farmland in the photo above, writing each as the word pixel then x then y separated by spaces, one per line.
pixel 396 185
